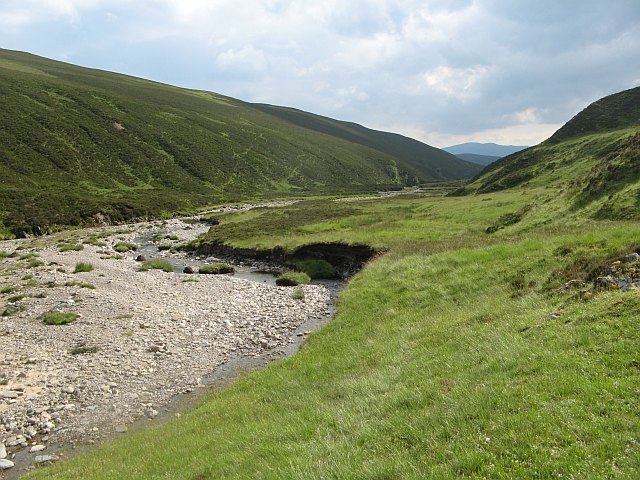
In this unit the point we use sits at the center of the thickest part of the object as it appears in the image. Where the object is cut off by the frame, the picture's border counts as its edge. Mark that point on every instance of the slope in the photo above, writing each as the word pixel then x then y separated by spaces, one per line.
pixel 594 160
pixel 78 144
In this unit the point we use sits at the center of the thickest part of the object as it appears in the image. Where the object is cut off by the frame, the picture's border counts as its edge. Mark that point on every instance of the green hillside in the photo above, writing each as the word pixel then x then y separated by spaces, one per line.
pixel 593 160
pixel 77 142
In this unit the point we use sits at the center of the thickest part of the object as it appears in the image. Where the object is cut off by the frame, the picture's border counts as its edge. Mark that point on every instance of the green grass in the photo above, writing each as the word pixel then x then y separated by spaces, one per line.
pixel 122 247
pixel 216 268
pixel 90 286
pixel 156 264
pixel 431 369
pixel 75 248
pixel 291 279
pixel 82 267
pixel 315 268
pixel 59 318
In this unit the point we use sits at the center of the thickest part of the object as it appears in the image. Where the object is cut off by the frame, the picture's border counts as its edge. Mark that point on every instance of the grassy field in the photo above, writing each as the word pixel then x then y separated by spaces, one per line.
pixel 442 361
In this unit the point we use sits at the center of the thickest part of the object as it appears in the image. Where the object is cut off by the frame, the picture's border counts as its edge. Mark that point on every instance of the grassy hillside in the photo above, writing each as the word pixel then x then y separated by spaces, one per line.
pixel 594 160
pixel 77 142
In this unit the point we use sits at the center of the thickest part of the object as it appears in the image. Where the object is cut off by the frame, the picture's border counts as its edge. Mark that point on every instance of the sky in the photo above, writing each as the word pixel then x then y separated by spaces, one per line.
pixel 441 71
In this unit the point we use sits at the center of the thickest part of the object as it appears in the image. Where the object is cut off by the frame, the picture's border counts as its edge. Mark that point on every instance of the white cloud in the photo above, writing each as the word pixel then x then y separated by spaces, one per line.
pixel 459 83
pixel 247 58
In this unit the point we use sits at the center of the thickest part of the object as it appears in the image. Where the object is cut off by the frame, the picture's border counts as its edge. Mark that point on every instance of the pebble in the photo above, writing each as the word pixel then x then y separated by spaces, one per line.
pixel 121 428
pixel 37 448
pixel 3 451
pixel 6 464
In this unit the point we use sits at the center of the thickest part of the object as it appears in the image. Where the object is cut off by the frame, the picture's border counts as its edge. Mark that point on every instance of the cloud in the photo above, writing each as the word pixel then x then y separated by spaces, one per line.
pixel 458 69
pixel 244 60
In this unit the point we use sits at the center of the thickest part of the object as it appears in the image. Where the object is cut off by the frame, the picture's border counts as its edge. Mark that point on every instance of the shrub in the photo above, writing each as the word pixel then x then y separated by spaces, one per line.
pixel 156 264
pixel 298 294
pixel 4 254
pixel 122 247
pixel 82 267
pixel 59 318
pixel 8 289
pixel 315 267
pixel 164 246
pixel 292 279
pixel 217 268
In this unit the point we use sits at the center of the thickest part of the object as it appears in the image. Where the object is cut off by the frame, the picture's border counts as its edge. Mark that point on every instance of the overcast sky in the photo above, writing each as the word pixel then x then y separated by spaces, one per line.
pixel 441 71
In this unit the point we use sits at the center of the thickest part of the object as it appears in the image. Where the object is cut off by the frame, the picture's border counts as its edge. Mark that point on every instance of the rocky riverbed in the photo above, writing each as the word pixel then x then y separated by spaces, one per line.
pixel 139 340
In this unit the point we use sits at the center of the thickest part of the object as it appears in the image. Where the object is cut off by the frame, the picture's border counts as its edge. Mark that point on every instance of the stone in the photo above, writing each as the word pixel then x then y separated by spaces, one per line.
pixel 44 458
pixel 632 257
pixel 121 428
pixel 140 258
pixel 6 464
pixel 3 451
pixel 188 270
pixel 69 390
pixel 37 448
pixel 10 395
pixel 151 413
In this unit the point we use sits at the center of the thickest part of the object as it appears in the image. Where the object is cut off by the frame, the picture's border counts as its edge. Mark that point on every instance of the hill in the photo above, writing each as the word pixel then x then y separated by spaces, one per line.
pixel 483 160
pixel 489 149
pixel 79 144
pixel 594 160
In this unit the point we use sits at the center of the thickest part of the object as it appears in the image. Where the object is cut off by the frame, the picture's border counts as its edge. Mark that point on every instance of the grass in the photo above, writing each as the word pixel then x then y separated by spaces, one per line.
pixel 59 318
pixel 34 262
pixel 82 267
pixel 441 357
pixel 216 268
pixel 292 279
pixel 90 286
pixel 315 268
pixel 156 264
pixel 75 248
pixel 122 247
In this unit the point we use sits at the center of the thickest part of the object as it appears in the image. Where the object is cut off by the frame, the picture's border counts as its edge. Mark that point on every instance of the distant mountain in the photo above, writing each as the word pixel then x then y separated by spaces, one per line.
pixel 488 149
pixel 594 159
pixel 78 143
pixel 483 160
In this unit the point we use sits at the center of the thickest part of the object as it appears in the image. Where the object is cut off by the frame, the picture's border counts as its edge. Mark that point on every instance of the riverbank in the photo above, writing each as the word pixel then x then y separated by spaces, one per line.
pixel 140 338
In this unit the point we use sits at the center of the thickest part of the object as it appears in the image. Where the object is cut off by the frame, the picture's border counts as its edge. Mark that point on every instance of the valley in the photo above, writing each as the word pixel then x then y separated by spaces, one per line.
pixel 488 327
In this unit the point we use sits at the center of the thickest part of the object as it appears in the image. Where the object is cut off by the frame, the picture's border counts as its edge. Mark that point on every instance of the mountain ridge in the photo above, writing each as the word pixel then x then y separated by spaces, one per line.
pixel 79 142
pixel 489 149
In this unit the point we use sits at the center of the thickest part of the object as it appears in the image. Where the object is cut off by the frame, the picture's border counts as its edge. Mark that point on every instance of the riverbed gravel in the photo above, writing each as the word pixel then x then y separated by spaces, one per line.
pixel 139 339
